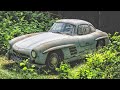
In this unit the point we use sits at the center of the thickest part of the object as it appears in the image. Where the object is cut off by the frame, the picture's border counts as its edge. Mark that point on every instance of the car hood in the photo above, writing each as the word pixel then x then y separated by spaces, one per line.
pixel 39 39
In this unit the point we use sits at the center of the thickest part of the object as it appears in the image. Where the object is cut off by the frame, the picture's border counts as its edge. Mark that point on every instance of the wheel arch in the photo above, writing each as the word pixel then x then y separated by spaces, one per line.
pixel 58 49
pixel 105 38
pixel 101 38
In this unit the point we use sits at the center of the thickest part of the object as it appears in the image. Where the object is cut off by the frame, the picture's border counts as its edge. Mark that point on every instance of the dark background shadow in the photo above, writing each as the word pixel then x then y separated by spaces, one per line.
pixel 108 21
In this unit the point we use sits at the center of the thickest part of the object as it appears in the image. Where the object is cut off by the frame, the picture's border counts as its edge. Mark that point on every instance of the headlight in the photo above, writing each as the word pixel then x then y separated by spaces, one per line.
pixel 33 54
pixel 9 46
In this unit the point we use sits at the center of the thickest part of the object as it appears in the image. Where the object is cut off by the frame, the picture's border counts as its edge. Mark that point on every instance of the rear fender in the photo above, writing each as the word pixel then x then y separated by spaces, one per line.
pixel 106 38
pixel 99 38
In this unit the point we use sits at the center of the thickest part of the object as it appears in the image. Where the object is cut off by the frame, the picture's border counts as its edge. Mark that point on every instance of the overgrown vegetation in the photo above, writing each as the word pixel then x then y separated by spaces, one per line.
pixel 20 70
pixel 63 70
pixel 16 23
pixel 101 64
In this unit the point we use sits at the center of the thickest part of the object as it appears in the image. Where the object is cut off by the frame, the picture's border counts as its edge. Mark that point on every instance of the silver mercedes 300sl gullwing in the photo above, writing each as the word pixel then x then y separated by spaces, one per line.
pixel 67 40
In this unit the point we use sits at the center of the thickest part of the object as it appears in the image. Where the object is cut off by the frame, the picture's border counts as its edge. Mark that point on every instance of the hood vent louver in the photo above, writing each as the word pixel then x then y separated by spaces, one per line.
pixel 73 50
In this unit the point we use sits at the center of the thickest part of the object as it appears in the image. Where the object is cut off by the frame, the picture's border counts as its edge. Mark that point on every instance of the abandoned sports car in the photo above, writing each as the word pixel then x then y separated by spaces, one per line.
pixel 67 39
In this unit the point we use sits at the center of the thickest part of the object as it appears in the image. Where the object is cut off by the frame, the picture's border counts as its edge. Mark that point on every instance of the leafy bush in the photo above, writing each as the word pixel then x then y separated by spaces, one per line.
pixel 100 65
pixel 16 23
pixel 63 70
pixel 26 66
pixel 27 69
pixel 115 41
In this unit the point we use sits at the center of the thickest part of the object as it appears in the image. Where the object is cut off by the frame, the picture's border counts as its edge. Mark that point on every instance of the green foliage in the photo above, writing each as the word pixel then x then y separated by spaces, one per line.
pixel 12 70
pixel 63 70
pixel 100 65
pixel 16 23
pixel 27 69
pixel 26 66
pixel 115 42
pixel 23 69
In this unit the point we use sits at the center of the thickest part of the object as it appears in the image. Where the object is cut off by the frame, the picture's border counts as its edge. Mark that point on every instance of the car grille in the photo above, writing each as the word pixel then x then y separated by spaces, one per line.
pixel 20 55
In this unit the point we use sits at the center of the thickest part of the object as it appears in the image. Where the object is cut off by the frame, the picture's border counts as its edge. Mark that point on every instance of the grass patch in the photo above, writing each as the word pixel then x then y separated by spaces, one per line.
pixel 6 71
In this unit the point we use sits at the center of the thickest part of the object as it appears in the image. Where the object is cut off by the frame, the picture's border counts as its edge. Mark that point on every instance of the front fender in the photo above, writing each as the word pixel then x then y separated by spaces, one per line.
pixel 57 47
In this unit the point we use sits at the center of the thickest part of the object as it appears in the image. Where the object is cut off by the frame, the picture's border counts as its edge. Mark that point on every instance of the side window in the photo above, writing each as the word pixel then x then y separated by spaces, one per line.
pixel 86 29
pixel 69 27
pixel 83 30
pixel 80 30
pixel 92 29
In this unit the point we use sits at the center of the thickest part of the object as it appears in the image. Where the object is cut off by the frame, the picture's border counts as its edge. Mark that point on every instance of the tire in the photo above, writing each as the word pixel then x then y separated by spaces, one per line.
pixel 100 43
pixel 53 60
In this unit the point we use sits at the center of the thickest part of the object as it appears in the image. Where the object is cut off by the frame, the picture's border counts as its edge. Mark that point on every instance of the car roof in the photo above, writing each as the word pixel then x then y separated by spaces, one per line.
pixel 73 21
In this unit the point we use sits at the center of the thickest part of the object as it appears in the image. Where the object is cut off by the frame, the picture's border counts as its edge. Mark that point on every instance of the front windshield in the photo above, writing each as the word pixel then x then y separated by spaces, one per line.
pixel 64 28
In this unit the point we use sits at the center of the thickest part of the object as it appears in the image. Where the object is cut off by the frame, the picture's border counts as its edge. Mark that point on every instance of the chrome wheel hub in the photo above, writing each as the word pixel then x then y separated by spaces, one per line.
pixel 53 60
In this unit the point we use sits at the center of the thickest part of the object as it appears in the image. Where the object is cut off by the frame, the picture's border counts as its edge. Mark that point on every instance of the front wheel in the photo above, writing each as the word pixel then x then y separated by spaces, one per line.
pixel 53 60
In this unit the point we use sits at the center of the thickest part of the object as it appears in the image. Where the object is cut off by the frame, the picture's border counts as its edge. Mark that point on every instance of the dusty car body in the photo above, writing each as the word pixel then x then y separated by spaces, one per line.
pixel 68 40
